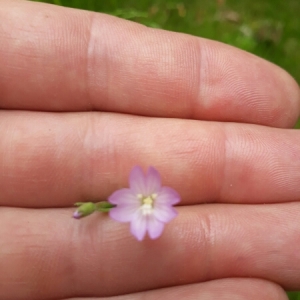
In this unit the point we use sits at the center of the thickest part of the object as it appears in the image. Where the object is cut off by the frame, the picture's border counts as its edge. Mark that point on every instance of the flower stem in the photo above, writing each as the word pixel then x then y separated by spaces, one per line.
pixel 104 206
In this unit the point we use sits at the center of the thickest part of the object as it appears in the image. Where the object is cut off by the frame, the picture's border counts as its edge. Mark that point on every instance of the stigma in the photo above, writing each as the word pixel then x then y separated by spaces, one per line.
pixel 147 204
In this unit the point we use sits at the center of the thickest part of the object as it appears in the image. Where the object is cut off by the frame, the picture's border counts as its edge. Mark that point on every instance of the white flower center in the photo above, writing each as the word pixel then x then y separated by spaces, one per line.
pixel 147 203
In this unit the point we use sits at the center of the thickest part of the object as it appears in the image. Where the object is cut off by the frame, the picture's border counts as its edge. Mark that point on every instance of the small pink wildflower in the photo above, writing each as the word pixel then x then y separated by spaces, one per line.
pixel 146 204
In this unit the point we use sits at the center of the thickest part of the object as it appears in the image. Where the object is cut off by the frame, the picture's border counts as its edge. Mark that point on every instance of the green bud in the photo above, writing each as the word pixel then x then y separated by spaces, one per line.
pixel 84 209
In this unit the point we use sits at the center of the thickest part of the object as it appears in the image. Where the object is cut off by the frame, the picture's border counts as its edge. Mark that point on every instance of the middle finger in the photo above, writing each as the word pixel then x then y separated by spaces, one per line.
pixel 59 159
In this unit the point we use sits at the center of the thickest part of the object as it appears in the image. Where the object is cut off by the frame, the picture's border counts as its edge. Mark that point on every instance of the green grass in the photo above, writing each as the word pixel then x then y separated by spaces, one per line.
pixel 294 295
pixel 269 29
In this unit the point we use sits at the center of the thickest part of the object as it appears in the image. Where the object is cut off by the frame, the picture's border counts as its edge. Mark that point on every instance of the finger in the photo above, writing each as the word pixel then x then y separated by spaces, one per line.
pixel 60 159
pixel 225 289
pixel 47 254
pixel 60 59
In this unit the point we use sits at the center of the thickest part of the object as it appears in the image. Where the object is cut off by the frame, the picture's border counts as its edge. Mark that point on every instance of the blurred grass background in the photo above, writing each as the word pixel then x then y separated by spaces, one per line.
pixel 269 29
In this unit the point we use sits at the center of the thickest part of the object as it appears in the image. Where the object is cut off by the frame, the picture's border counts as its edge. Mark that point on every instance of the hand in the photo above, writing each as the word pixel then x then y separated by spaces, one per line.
pixel 87 96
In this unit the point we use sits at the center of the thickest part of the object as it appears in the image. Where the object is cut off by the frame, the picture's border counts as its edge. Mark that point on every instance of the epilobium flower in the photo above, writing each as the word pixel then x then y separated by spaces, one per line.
pixel 146 204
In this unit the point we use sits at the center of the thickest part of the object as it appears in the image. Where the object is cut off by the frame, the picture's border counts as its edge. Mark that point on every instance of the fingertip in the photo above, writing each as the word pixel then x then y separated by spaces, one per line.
pixel 237 86
pixel 291 107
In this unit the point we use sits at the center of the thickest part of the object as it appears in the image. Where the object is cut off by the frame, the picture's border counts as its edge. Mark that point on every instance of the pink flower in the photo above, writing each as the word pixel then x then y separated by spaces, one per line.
pixel 146 204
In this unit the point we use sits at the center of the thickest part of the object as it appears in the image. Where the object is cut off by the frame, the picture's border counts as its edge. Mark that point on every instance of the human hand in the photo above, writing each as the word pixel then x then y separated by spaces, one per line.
pixel 87 96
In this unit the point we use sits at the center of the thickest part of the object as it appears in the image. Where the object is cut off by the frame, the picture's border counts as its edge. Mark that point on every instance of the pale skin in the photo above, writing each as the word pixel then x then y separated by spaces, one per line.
pixel 84 98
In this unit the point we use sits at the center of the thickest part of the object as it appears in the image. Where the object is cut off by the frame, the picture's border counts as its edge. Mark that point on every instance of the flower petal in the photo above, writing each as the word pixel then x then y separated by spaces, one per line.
pixel 167 196
pixel 123 196
pixel 138 225
pixel 164 213
pixel 153 181
pixel 154 227
pixel 123 213
pixel 137 181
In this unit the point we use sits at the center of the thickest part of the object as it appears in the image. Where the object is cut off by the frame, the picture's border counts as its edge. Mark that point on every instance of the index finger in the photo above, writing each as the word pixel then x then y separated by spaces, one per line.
pixel 60 59
pixel 45 254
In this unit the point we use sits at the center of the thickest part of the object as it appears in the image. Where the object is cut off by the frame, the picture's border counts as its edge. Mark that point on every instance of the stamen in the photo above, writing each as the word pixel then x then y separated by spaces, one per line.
pixel 147 205
pixel 148 201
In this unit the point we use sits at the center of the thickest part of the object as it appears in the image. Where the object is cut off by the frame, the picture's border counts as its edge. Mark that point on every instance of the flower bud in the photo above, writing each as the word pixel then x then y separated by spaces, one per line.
pixel 84 209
